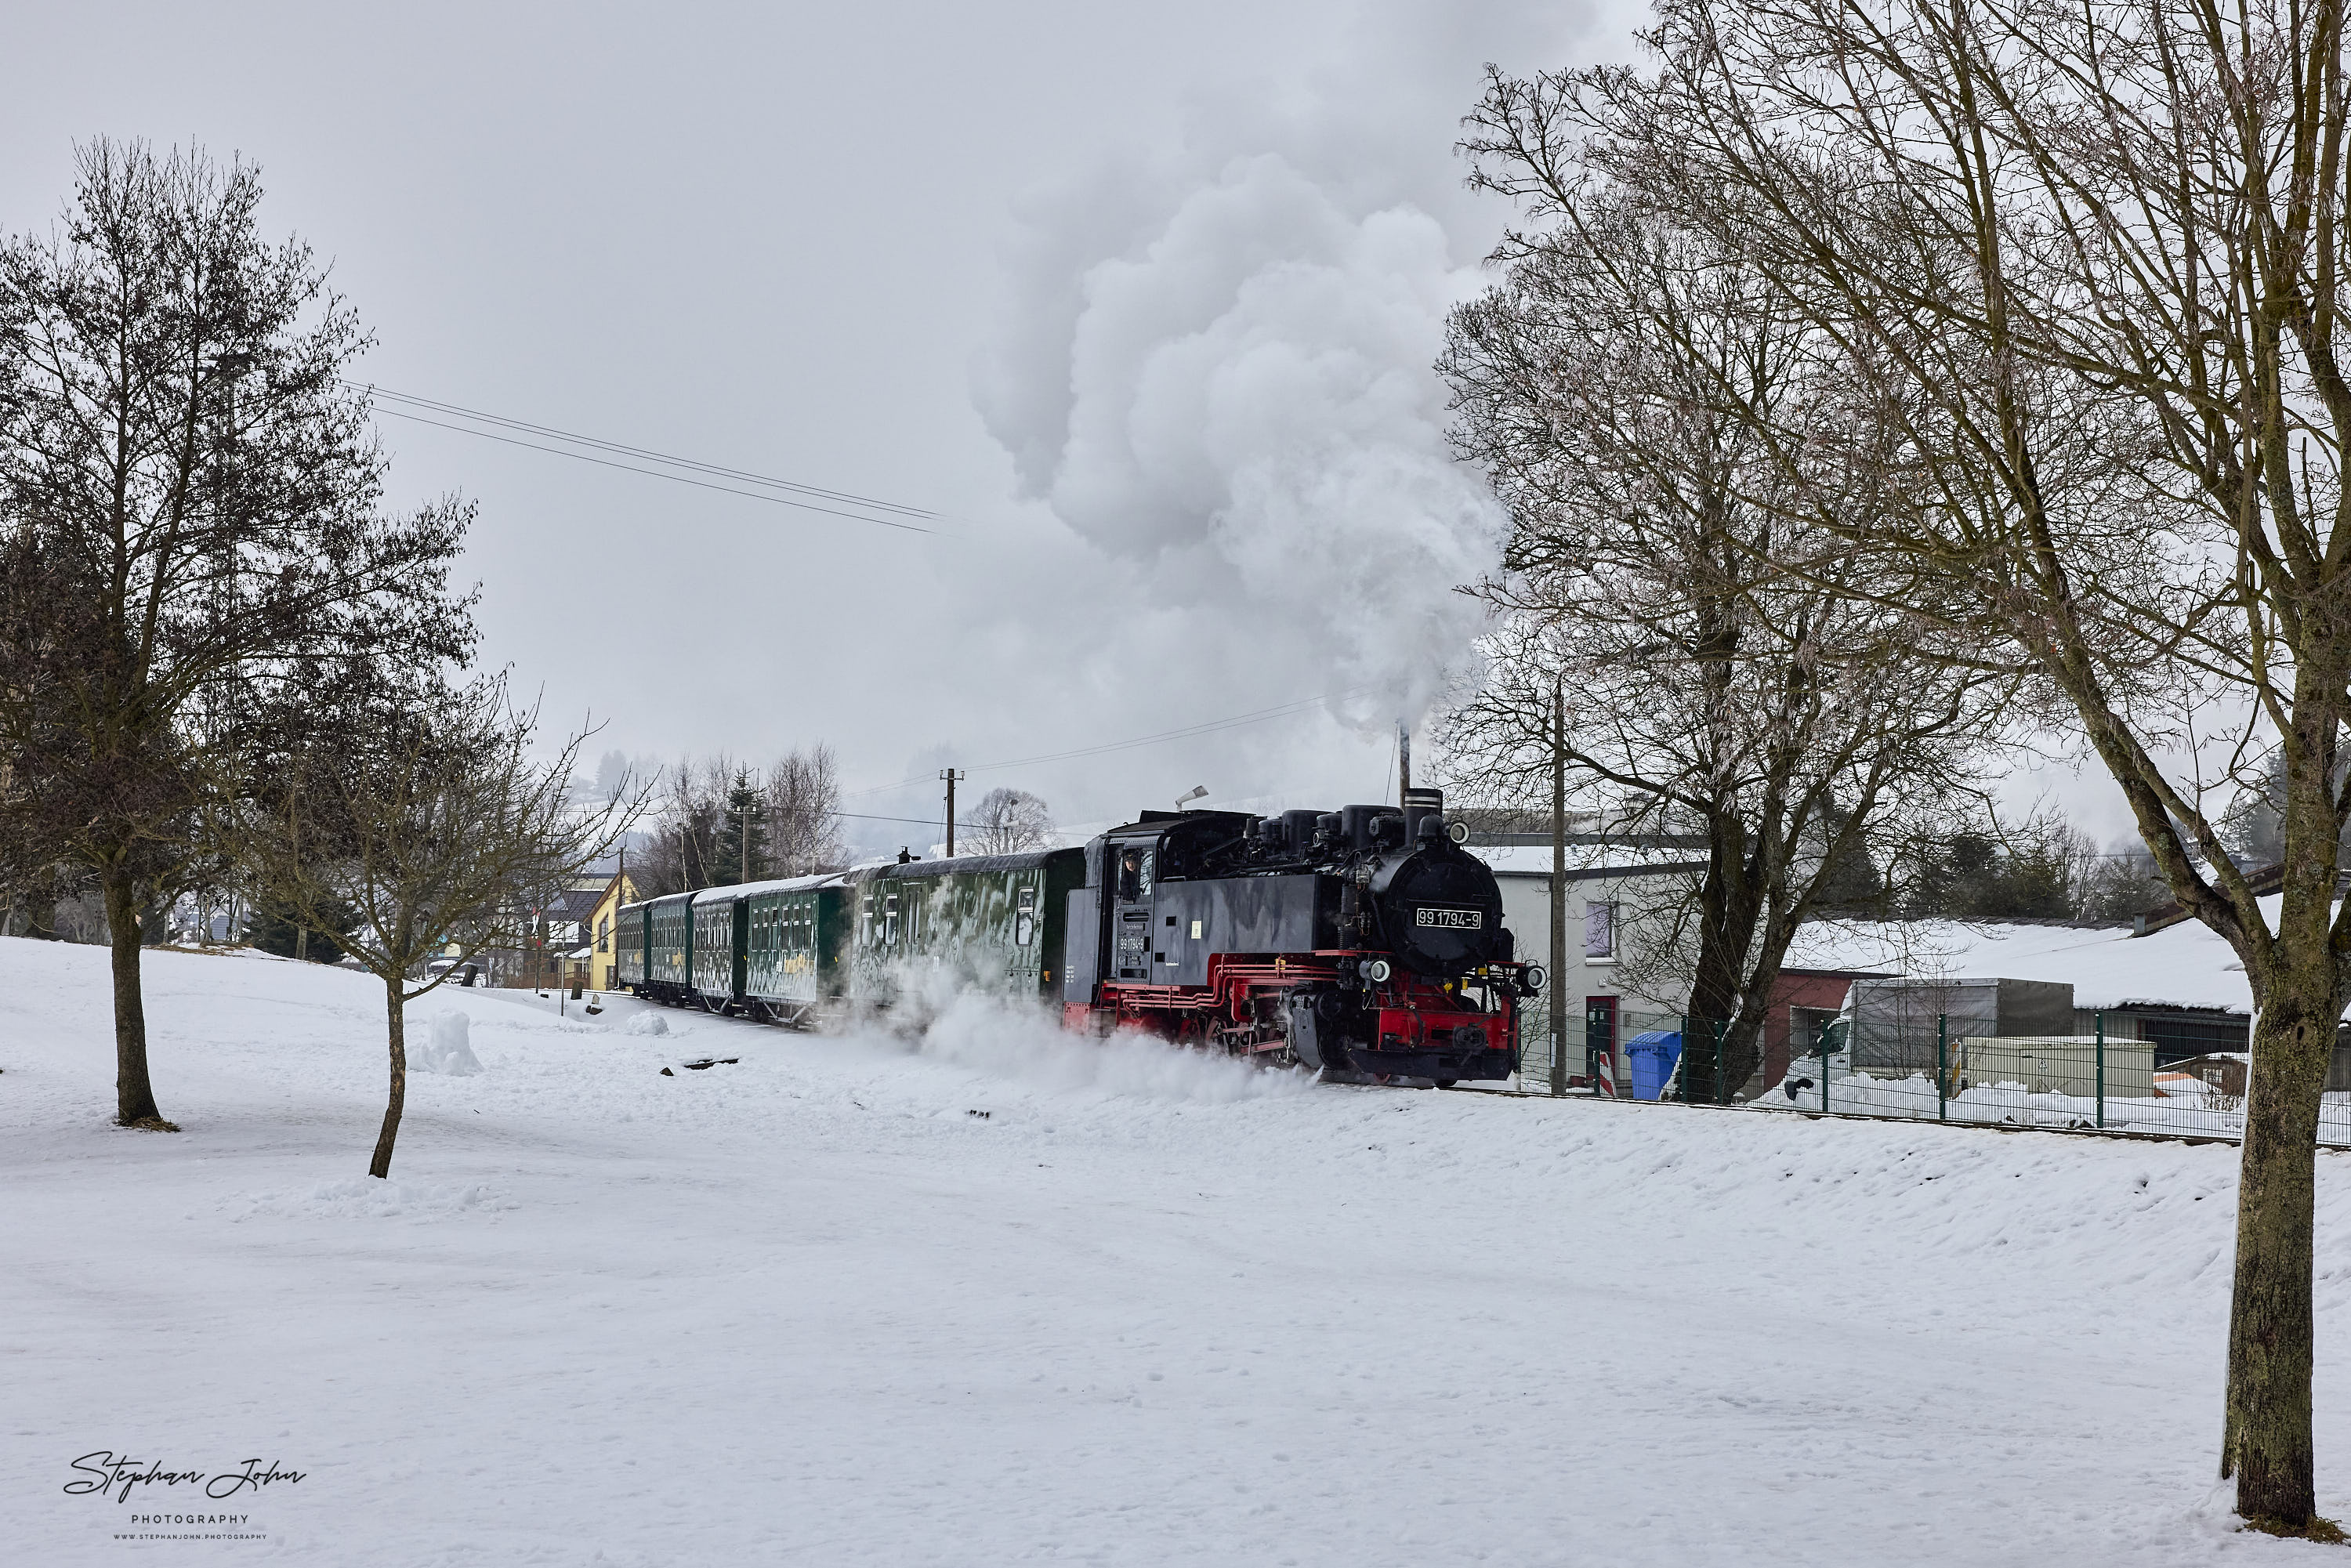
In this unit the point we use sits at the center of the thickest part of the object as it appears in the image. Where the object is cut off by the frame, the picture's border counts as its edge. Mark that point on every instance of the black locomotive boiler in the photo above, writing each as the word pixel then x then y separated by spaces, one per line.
pixel 1365 941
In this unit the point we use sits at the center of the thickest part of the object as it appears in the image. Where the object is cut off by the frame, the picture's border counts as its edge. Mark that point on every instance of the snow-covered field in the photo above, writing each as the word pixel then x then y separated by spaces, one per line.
pixel 1013 1297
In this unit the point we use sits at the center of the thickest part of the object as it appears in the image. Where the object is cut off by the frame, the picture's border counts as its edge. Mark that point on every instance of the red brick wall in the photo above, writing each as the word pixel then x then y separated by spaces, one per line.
pixel 1821 988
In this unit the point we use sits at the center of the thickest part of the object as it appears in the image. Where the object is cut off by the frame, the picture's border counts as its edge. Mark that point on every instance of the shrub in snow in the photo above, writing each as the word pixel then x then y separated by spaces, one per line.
pixel 648 1023
pixel 447 1048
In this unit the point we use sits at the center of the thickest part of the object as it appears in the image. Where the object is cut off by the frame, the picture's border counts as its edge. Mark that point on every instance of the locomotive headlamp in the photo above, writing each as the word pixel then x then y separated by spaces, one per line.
pixel 1535 979
pixel 1377 971
pixel 1457 830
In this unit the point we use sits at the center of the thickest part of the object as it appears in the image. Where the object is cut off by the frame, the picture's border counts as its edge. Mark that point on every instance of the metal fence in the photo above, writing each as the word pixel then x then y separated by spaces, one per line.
pixel 2089 1083
pixel 1628 1054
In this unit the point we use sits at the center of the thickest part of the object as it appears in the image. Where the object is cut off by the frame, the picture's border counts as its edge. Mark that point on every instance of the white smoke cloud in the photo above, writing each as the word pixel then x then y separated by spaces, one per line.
pixel 1217 372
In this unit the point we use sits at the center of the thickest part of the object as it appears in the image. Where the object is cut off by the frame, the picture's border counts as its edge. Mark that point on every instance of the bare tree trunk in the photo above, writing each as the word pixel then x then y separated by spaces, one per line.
pixel 135 1093
pixel 2266 1438
pixel 380 1166
pixel 1729 907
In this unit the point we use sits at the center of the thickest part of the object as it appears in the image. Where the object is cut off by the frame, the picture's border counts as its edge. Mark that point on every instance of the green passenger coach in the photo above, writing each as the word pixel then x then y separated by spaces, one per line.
pixel 716 963
pixel 629 930
pixel 792 947
pixel 792 951
pixel 669 946
pixel 989 922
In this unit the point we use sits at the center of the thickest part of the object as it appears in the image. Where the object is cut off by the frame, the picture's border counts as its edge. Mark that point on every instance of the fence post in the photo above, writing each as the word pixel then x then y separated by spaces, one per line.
pixel 1722 1094
pixel 1942 1067
pixel 1822 1044
pixel 1555 1026
pixel 2102 1069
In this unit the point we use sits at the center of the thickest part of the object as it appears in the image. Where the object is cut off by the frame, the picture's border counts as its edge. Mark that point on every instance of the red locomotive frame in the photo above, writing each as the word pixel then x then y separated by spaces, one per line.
pixel 1241 1008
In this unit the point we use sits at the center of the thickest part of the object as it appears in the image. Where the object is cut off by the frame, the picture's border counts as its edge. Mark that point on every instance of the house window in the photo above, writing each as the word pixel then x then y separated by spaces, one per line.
pixel 604 935
pixel 1600 931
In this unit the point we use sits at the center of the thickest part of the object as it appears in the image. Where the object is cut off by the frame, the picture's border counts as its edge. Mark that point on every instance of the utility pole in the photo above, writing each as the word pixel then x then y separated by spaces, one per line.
pixel 1559 887
pixel 951 775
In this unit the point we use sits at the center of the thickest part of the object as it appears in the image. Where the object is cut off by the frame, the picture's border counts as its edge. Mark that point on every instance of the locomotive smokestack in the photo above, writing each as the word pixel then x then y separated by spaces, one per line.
pixel 1419 806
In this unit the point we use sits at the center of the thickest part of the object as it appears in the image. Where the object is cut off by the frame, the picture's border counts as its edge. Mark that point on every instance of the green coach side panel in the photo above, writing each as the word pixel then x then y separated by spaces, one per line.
pixel 670 940
pixel 990 923
pixel 792 956
pixel 718 943
pixel 630 929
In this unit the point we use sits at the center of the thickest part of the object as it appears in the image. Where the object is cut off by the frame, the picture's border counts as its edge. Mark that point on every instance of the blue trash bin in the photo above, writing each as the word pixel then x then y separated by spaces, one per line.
pixel 1652 1057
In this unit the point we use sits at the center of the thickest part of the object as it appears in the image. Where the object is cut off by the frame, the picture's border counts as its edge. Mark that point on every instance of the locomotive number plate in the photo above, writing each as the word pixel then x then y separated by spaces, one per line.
pixel 1450 919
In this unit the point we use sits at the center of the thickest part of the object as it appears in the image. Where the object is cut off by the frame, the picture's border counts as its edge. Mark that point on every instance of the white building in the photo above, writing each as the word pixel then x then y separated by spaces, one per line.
pixel 1605 1003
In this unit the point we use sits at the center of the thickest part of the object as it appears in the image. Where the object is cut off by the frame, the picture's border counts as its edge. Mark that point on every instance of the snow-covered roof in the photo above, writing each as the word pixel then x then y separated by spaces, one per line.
pixel 738 890
pixel 777 885
pixel 2182 965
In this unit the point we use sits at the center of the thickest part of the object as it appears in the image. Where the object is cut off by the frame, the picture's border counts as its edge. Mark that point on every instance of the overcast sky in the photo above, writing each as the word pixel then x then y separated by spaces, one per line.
pixel 1140 299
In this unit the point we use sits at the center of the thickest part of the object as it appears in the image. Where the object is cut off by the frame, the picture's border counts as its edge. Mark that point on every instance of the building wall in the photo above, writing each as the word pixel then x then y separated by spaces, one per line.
pixel 1526 911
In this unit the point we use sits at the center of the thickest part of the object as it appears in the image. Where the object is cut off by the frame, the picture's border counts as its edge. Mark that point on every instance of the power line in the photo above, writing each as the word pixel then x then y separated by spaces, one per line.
pixel 673 478
pixel 626 450
pixel 919 821
pixel 797 489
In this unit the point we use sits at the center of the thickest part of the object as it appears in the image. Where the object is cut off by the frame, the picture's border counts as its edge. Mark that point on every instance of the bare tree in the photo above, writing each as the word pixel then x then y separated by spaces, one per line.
pixel 803 794
pixel 437 828
pixel 681 848
pixel 703 832
pixel 189 504
pixel 1007 821
pixel 2090 259
pixel 1625 388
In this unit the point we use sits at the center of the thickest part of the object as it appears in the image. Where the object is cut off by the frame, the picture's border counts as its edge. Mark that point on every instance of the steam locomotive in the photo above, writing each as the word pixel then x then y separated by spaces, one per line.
pixel 1365 942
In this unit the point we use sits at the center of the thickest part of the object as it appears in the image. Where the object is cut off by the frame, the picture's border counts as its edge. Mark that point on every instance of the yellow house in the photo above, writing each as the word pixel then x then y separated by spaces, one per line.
pixel 604 960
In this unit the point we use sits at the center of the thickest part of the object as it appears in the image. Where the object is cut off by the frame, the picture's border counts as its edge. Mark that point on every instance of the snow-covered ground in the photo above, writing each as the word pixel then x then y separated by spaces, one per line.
pixel 1014 1297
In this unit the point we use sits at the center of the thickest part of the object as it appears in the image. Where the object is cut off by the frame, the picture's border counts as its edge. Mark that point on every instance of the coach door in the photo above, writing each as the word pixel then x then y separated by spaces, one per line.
pixel 1134 870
